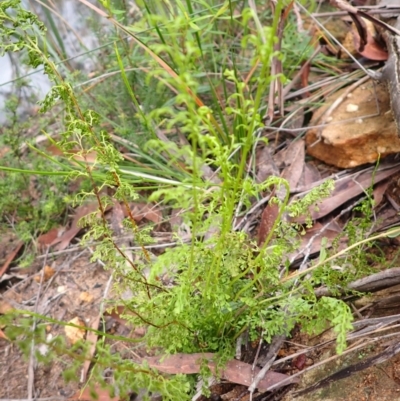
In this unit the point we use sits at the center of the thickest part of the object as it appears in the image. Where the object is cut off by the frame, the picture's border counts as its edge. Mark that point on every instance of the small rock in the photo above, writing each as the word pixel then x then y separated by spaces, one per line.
pixel 351 143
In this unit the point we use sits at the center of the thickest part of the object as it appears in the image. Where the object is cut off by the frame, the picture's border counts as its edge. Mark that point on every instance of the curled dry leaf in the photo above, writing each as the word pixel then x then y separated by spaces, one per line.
pixel 86 297
pixel 373 50
pixel 86 157
pixel 265 164
pixel 75 334
pixel 379 192
pixel 311 175
pixel 48 273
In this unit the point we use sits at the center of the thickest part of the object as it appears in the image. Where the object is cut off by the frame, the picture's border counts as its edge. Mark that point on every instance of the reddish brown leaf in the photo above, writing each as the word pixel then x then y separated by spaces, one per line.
pixel 142 211
pixel 347 188
pixel 268 218
pixel 116 313
pixel 316 234
pixel 2 335
pixel 241 373
pixel 70 234
pixel 372 50
pixel 305 77
pixel 235 371
pixel 10 258
pixel 48 238
pixel 379 192
pixel 85 395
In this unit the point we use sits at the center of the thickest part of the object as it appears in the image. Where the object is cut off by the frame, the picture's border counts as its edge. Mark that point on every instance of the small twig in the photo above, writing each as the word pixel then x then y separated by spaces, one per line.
pixel 95 325
pixel 374 282
pixel 299 20
pixel 332 358
pixel 272 353
pixel 240 203
pixel 31 367
pixel 388 353
pixel 297 76
pixel 371 10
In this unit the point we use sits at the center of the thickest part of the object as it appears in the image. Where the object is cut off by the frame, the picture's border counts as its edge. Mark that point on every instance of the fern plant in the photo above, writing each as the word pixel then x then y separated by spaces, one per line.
pixel 201 296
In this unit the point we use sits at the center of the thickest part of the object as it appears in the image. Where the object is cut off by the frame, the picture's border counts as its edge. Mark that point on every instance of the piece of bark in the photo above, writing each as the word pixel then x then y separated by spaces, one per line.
pixel 389 352
pixel 391 71
pixel 374 282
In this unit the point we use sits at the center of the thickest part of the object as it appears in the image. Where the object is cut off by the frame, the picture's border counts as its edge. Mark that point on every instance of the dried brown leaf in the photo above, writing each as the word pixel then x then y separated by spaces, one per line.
pixel 48 238
pixel 85 395
pixel 86 296
pixel 74 334
pixel 379 192
pixel 268 218
pixel 347 188
pixel 142 211
pixel 10 258
pixel 91 337
pixel 5 307
pixel 265 164
pixel 2 335
pixel 311 175
pixel 234 371
pixel 372 49
pixel 295 154
pixel 70 234
pixel 116 313
pixel 117 217
pixel 48 273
